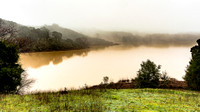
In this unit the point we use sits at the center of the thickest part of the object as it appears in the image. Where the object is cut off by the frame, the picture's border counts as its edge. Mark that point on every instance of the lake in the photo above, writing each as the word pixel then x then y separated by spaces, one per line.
pixel 75 68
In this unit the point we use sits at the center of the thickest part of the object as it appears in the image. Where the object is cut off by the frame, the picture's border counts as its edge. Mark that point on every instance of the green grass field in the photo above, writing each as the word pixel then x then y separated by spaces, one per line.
pixel 124 100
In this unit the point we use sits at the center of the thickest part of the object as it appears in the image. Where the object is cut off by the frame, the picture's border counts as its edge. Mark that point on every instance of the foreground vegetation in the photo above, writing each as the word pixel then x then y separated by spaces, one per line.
pixel 104 100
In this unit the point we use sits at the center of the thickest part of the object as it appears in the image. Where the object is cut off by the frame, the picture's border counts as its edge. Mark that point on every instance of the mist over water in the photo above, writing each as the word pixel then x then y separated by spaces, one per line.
pixel 80 67
pixel 156 40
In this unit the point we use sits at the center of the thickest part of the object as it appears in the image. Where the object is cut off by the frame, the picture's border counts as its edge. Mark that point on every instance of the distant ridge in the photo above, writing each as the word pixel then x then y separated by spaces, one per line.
pixel 184 39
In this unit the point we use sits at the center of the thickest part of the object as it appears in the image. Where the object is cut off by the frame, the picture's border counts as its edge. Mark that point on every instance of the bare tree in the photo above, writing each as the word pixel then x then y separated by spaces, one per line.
pixel 7 32
pixel 6 29
pixel 25 83
pixel 25 44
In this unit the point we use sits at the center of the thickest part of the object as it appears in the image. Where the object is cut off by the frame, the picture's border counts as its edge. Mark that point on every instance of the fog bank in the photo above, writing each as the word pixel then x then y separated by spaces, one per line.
pixel 151 16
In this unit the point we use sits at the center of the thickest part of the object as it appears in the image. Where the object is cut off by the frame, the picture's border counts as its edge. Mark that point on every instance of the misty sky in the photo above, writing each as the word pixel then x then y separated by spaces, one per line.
pixel 154 16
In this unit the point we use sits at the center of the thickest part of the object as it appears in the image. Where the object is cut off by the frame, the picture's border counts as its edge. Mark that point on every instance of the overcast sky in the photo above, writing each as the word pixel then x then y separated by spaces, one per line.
pixel 157 16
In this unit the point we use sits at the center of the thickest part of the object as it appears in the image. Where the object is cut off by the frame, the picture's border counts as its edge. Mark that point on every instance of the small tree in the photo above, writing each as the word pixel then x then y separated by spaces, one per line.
pixel 6 31
pixel 105 79
pixel 148 76
pixel 10 70
pixel 165 79
pixel 192 76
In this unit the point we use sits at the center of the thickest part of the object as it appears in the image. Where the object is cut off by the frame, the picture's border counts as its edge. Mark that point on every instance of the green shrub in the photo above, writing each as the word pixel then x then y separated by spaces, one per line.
pixel 148 76
pixel 10 70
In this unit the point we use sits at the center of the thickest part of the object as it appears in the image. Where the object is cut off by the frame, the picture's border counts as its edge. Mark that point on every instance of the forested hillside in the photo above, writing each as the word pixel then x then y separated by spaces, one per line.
pixel 73 35
pixel 45 38
pixel 54 37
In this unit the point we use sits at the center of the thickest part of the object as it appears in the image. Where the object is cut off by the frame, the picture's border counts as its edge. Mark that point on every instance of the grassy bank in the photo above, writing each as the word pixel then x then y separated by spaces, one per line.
pixel 100 100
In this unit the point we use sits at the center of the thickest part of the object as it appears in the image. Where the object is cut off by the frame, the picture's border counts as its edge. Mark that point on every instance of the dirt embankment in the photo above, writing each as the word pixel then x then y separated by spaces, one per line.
pixel 126 84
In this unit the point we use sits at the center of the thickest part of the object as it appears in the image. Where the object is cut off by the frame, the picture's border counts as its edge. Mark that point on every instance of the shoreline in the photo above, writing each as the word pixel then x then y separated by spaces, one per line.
pixel 87 48
pixel 124 84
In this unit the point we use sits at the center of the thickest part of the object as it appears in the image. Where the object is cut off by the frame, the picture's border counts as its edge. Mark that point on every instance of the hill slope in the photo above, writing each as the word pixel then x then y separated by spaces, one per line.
pixel 46 38
pixel 73 35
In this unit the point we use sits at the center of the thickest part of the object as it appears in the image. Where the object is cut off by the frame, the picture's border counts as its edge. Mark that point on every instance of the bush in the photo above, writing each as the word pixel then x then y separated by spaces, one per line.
pixel 164 80
pixel 148 76
pixel 192 76
pixel 10 70
pixel 105 79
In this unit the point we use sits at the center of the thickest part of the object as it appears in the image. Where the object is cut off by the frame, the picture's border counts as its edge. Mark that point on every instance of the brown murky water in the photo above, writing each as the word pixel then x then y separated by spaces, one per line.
pixel 56 70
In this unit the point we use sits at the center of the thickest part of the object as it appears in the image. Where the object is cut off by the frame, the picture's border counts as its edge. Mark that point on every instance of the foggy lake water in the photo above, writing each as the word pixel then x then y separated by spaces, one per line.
pixel 75 68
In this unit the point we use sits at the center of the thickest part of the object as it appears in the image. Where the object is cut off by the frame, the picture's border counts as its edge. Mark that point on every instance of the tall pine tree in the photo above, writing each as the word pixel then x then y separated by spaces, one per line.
pixel 192 76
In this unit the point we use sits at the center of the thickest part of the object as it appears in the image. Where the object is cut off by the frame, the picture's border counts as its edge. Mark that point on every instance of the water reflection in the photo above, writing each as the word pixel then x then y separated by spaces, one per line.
pixel 39 59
